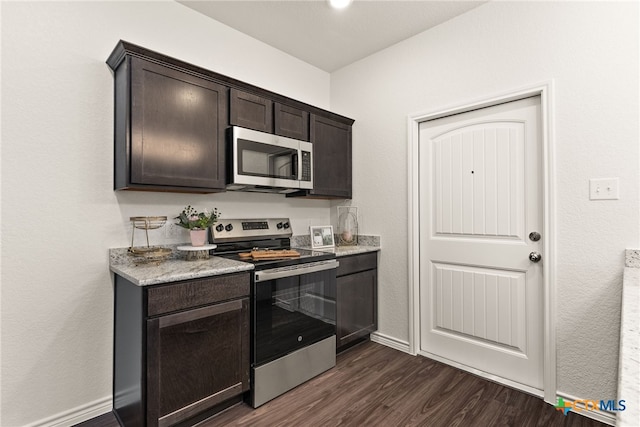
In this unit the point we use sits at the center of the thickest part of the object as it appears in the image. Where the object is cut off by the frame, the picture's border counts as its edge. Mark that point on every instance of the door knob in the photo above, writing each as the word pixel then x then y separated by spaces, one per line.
pixel 534 236
pixel 535 256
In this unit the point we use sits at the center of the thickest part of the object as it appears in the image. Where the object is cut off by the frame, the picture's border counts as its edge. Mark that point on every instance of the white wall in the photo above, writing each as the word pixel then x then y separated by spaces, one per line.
pixel 591 51
pixel 59 212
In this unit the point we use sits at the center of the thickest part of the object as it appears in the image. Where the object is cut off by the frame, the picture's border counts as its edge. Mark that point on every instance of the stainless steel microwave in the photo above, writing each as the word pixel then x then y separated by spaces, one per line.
pixel 264 162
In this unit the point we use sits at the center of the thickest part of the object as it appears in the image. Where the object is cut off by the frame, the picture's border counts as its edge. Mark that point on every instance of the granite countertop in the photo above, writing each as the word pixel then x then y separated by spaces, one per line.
pixel 629 367
pixel 174 269
pixel 341 251
pixel 365 244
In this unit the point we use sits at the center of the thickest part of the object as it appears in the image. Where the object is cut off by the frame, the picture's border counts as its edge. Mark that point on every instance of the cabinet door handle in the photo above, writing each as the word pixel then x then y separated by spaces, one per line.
pixel 199 313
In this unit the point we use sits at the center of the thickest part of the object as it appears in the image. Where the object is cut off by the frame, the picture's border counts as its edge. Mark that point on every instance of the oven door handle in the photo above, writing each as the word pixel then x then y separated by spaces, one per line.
pixel 279 273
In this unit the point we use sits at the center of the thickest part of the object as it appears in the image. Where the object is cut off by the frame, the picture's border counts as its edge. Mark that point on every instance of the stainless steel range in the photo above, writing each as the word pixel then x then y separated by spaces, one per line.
pixel 293 310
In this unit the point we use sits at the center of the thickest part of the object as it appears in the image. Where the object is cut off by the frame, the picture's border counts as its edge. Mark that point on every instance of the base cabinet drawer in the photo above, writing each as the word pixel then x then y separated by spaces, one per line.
pixel 356 263
pixel 194 293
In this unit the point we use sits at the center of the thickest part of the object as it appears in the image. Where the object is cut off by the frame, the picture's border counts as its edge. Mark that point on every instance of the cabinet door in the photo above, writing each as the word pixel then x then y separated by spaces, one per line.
pixel 196 359
pixel 356 301
pixel 291 122
pixel 177 128
pixel 251 111
pixel 331 158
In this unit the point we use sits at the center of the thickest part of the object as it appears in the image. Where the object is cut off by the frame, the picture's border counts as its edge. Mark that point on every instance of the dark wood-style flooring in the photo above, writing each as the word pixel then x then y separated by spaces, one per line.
pixel 373 385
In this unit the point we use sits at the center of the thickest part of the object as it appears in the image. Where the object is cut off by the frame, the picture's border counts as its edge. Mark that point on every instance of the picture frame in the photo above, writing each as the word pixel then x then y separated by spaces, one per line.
pixel 321 236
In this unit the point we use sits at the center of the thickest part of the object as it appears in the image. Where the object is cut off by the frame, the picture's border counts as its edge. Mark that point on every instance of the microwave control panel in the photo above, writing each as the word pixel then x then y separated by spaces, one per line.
pixel 306 166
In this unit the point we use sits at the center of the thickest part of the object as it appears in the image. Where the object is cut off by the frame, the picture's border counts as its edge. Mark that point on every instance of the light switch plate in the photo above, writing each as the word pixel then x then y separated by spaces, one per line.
pixel 604 189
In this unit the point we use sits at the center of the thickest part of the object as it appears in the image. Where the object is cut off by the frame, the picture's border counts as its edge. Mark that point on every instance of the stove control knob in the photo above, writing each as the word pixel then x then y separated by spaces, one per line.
pixel 286 225
pixel 279 225
pixel 229 227
pixel 219 227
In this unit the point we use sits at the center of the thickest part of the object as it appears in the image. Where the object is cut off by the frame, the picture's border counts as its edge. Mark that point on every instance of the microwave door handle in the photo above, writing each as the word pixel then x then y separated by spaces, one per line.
pixel 294 165
pixel 299 165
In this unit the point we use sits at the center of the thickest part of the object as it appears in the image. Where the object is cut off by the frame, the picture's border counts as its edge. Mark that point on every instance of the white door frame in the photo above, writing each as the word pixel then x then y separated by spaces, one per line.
pixel 545 90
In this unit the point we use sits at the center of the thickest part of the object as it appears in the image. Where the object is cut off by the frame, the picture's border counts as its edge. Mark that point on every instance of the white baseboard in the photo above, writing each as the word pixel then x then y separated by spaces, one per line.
pixel 602 416
pixel 390 342
pixel 76 415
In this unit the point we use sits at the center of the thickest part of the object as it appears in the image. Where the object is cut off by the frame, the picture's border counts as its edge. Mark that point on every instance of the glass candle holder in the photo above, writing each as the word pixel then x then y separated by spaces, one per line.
pixel 347 226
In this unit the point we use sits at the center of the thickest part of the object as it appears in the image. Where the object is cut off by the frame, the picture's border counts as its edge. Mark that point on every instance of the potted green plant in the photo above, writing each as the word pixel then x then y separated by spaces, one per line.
pixel 197 223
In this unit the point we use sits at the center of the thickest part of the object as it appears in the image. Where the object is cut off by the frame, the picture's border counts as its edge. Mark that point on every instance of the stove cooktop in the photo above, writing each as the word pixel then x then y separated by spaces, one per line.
pixel 235 236
pixel 305 256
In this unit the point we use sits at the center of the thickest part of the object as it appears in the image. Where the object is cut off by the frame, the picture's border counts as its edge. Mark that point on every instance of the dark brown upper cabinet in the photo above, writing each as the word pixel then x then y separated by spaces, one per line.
pixel 171 119
pixel 291 122
pixel 251 111
pixel 331 158
pixel 169 129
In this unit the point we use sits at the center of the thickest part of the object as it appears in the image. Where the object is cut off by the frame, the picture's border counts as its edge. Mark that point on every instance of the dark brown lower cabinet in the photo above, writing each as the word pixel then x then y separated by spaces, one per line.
pixel 356 299
pixel 180 350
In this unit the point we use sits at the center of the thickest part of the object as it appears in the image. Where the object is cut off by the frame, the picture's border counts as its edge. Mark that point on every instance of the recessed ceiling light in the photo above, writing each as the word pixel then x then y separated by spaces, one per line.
pixel 339 4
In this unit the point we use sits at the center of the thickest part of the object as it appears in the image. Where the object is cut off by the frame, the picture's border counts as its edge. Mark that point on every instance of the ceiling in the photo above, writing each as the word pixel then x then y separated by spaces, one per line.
pixel 328 38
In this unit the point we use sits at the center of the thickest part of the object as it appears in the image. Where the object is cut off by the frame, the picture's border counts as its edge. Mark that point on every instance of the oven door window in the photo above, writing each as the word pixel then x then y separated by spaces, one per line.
pixel 292 313
pixel 266 160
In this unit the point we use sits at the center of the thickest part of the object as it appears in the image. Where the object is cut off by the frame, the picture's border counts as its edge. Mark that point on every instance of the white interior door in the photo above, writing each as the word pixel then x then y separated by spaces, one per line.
pixel 480 198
